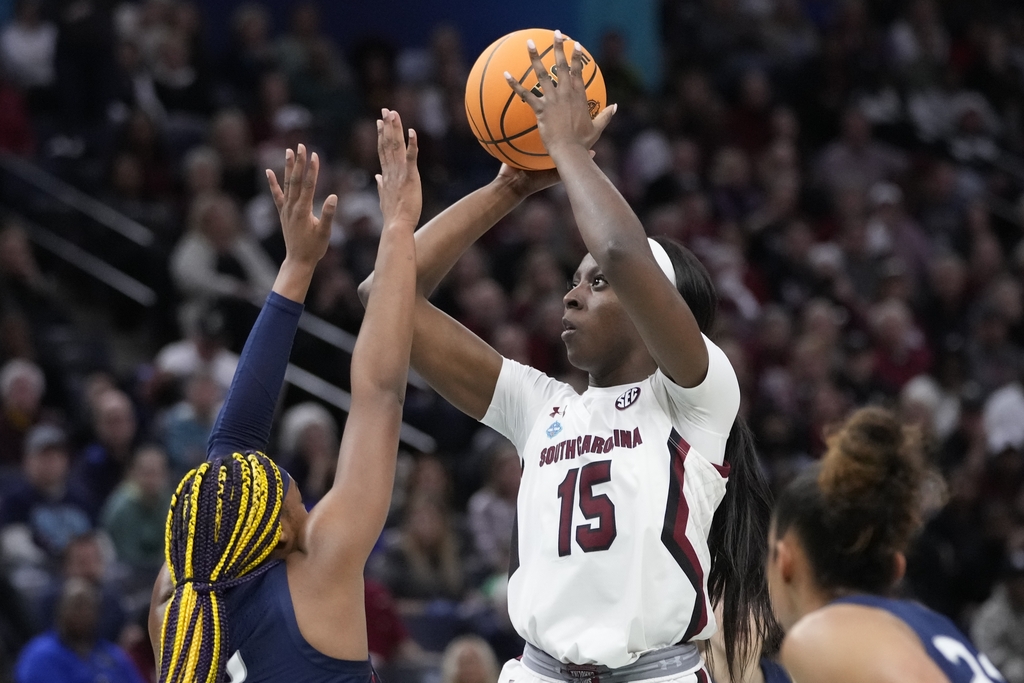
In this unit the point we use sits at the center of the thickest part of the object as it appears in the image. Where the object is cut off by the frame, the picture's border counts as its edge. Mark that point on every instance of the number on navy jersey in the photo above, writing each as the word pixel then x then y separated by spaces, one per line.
pixel 956 652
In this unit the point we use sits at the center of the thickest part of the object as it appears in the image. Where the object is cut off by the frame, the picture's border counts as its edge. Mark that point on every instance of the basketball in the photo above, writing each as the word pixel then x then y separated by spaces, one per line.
pixel 503 123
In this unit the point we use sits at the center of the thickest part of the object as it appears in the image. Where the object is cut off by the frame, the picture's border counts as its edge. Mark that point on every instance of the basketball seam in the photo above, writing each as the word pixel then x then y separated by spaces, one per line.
pixel 514 94
pixel 483 114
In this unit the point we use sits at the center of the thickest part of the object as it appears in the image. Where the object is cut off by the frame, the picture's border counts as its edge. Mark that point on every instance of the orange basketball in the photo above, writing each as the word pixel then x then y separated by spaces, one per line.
pixel 503 123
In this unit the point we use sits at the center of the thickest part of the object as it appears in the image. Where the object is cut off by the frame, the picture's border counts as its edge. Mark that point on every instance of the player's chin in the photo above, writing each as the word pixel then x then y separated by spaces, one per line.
pixel 573 351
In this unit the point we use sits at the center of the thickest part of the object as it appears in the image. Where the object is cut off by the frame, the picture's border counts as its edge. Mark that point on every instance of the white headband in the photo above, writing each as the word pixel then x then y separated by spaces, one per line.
pixel 661 256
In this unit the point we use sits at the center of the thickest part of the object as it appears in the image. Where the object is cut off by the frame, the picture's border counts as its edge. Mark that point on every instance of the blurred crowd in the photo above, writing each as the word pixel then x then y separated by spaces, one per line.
pixel 851 172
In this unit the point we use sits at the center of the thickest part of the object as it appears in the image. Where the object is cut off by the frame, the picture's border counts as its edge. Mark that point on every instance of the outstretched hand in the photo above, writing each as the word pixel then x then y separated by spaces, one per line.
pixel 305 236
pixel 401 197
pixel 563 115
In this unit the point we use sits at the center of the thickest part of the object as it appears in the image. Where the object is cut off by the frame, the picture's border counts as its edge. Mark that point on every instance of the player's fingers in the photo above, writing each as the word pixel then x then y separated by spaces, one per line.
pixel 275 190
pixel 523 93
pixel 602 120
pixel 397 140
pixel 413 150
pixel 295 179
pixel 309 182
pixel 289 164
pixel 576 67
pixel 561 65
pixel 327 212
pixel 543 77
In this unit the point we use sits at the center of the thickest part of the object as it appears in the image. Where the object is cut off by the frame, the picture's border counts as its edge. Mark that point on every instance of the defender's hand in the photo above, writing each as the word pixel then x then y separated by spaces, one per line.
pixel 305 236
pixel 401 197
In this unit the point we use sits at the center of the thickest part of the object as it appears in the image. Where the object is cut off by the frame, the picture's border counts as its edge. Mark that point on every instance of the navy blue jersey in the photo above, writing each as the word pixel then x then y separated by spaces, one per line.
pixel 945 644
pixel 773 673
pixel 265 644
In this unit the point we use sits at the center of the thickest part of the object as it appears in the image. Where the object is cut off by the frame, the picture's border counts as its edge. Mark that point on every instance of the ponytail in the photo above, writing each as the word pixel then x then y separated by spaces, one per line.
pixel 739 544
pixel 224 522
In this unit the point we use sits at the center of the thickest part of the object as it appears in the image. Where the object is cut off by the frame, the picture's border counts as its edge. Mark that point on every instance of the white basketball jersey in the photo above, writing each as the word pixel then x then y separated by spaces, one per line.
pixel 620 484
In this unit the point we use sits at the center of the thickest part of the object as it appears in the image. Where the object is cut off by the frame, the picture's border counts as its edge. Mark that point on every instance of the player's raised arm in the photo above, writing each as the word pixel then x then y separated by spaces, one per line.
pixel 247 414
pixel 345 524
pixel 612 232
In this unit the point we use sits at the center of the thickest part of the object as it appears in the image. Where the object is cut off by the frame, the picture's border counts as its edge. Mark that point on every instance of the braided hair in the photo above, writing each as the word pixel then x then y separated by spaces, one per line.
pixel 224 521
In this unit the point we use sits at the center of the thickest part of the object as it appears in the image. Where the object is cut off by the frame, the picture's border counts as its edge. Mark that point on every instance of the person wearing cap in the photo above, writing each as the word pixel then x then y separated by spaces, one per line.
pixel 998 627
pixel 46 511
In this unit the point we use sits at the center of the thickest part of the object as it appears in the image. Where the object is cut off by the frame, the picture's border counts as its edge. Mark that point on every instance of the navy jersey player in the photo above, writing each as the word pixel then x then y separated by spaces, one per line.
pixel 836 549
pixel 641 503
pixel 255 589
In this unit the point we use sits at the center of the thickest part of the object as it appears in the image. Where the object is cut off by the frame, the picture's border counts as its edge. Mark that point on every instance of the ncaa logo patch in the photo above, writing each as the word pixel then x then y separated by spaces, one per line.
pixel 554 429
pixel 628 398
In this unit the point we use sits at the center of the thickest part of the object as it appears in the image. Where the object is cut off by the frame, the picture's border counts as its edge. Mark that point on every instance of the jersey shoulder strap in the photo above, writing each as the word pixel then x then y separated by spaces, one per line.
pixel 947 646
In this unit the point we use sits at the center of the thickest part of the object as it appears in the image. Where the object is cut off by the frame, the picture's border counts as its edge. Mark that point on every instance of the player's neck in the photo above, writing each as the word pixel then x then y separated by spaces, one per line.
pixel 635 368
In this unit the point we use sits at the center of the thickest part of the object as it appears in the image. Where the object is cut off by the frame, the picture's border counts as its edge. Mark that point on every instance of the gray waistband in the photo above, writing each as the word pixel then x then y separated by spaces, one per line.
pixel 675 659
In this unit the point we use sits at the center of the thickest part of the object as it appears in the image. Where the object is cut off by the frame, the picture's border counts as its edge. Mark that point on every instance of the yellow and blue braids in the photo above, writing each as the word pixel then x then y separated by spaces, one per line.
pixel 224 521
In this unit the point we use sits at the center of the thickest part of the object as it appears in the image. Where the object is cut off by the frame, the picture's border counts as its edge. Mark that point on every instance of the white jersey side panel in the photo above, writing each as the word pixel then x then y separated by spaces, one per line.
pixel 614 509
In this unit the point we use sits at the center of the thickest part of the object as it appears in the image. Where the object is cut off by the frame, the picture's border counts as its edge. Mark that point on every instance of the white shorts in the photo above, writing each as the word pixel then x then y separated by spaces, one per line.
pixel 515 672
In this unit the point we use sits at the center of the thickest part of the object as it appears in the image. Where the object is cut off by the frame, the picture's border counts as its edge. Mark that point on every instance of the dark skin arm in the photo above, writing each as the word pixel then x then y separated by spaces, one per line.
pixel 327 581
pixel 458 364
pixel 612 232
pixel 306 239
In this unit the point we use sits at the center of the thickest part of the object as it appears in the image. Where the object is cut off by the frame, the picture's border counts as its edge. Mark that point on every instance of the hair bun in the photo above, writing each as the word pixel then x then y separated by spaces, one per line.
pixel 874 470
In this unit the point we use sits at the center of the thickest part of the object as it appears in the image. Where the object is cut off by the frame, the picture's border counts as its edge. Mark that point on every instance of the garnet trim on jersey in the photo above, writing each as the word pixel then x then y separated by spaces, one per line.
pixel 513 550
pixel 673 534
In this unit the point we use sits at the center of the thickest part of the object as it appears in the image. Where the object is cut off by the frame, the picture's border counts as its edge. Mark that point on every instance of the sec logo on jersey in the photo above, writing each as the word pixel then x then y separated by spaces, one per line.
pixel 628 398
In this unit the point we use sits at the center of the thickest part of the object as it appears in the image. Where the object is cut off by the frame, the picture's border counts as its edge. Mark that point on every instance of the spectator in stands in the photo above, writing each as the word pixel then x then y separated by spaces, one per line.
pixel 900 350
pixel 250 55
pixel 136 513
pixel 142 137
pixel 128 196
pixel 492 509
pixel 203 173
pixel 103 463
pixel 187 425
pixel 47 510
pixel 230 136
pixel 26 291
pixel 85 559
pixel 22 386
pixel 469 659
pixel 387 637
pixel 422 562
pixel 856 161
pixel 27 50
pixel 84 62
pixel 305 31
pixel 309 448
pixel 74 651
pixel 16 626
pixel 181 88
pixel 217 261
pixel 203 352
pixel 16 133
pixel 998 629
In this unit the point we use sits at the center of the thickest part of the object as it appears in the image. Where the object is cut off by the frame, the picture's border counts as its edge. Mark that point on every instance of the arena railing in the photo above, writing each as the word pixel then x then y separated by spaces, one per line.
pixel 100 269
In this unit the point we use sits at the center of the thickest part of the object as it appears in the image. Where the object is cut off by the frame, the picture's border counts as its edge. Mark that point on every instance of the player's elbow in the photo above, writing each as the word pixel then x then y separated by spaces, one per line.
pixel 364 289
pixel 380 389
